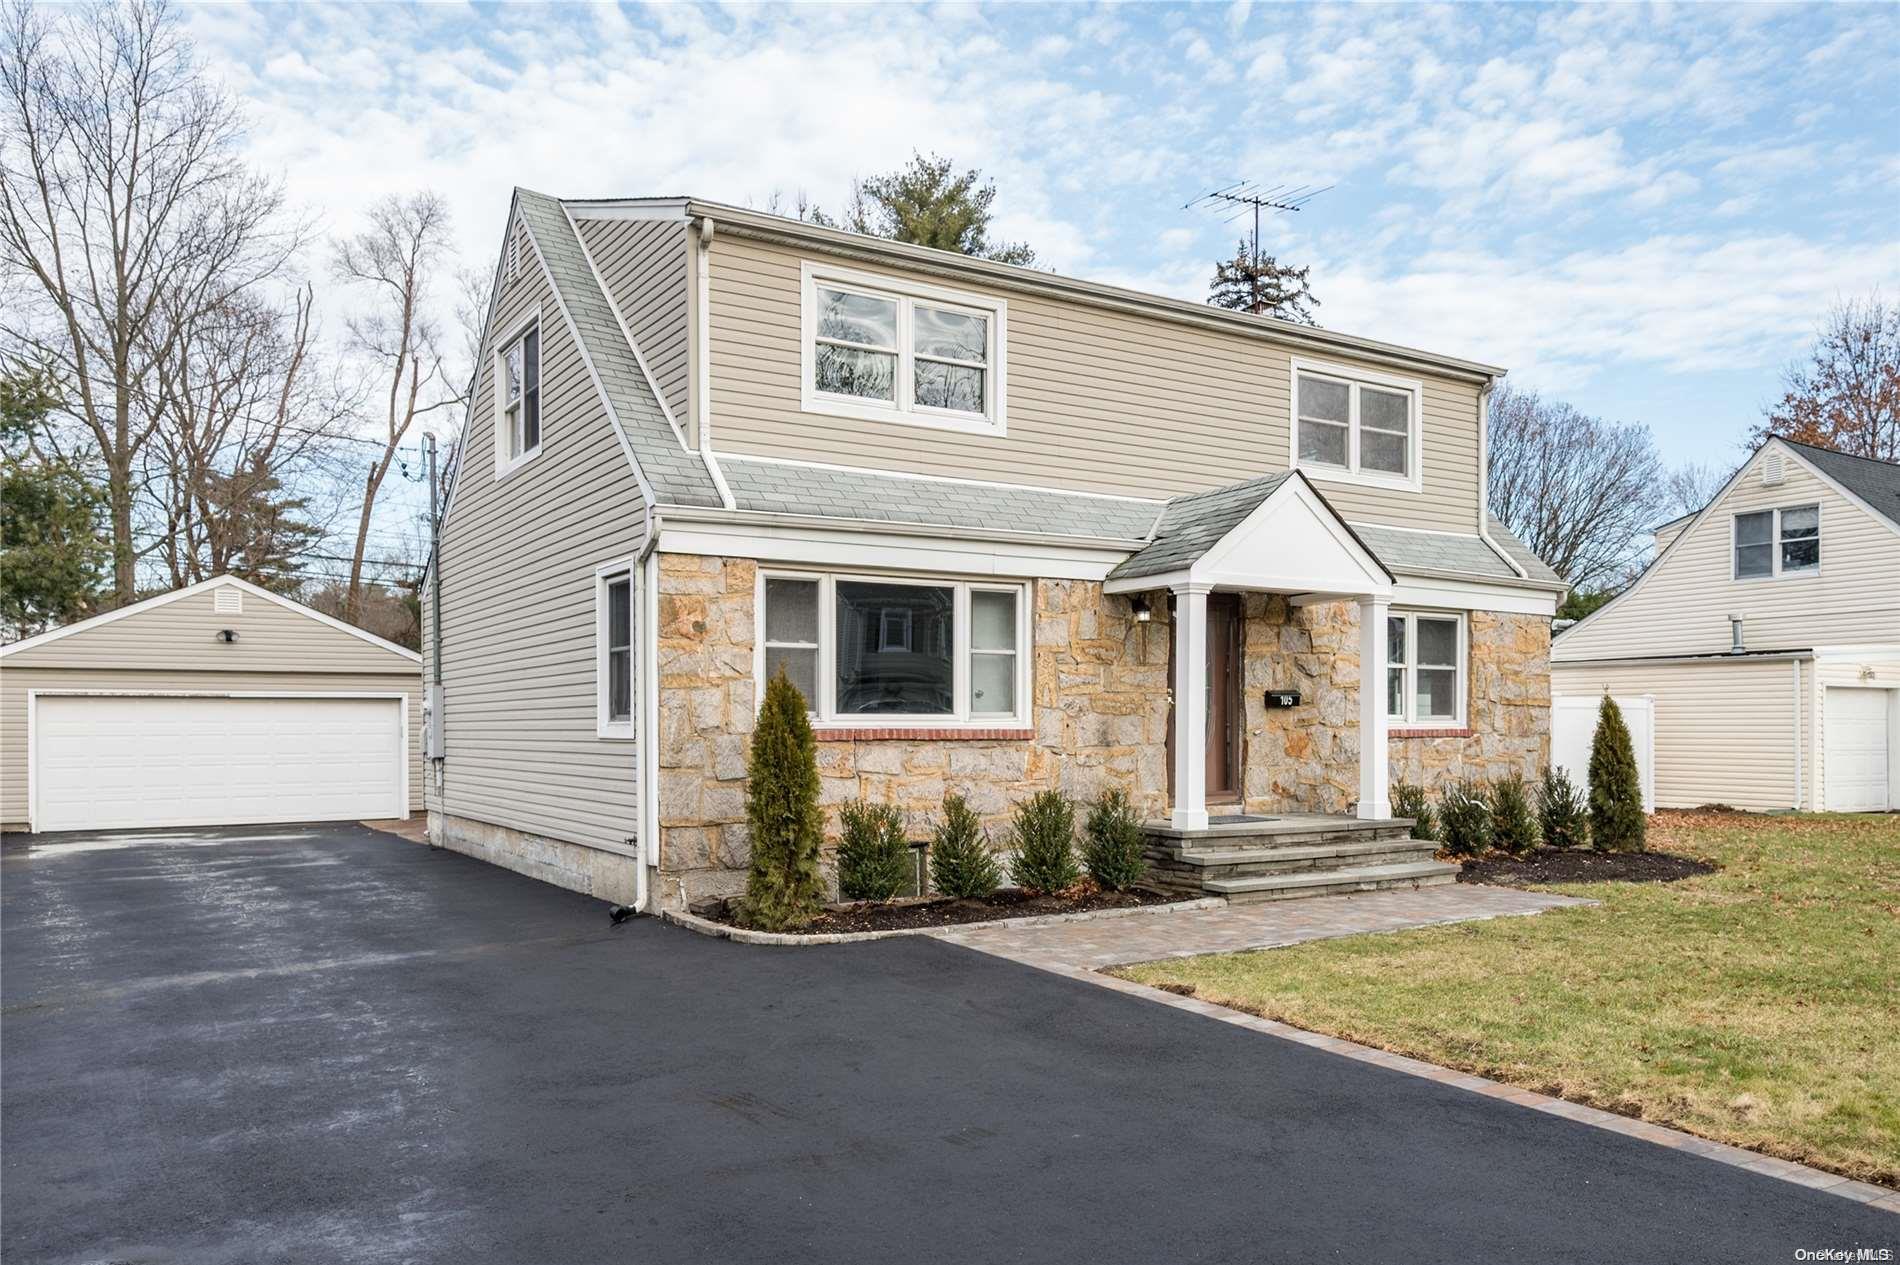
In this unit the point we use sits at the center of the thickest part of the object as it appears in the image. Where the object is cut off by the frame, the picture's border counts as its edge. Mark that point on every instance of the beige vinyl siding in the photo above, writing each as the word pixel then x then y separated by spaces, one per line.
pixel 1875 667
pixel 1725 732
pixel 1098 401
pixel 17 680
pixel 519 556
pixel 643 263
pixel 1683 603
pixel 183 635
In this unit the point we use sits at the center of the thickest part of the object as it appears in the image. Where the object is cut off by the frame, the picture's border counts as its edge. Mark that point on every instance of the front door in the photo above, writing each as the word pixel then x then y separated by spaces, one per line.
pixel 1223 700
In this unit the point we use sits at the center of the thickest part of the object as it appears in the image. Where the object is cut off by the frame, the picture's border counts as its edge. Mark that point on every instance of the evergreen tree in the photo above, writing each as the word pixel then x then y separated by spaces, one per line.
pixel 53 539
pixel 1044 835
pixel 1409 800
pixel 1114 851
pixel 873 856
pixel 257 533
pixel 1563 818
pixel 783 889
pixel 1464 818
pixel 1256 282
pixel 1616 787
pixel 1513 829
pixel 927 202
pixel 961 863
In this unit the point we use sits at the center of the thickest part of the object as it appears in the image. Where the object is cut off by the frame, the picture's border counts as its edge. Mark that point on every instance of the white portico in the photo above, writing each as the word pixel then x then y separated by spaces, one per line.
pixel 1270 535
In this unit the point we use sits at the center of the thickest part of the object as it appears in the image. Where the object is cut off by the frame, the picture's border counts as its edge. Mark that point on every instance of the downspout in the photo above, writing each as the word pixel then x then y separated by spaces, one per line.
pixel 702 359
pixel 1797 736
pixel 649 744
pixel 1484 479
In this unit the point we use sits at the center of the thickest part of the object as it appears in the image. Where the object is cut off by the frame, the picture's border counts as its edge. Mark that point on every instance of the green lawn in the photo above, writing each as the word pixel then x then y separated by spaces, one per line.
pixel 1759 1005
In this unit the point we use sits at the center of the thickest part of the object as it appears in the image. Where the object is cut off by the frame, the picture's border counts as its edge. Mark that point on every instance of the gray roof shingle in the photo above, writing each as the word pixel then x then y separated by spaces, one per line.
pixel 1194 523
pixel 1875 482
pixel 677 476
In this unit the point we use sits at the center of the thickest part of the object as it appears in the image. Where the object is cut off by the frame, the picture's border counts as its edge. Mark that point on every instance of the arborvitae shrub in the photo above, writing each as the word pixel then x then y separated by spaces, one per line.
pixel 783 889
pixel 1112 843
pixel 1563 818
pixel 1410 800
pixel 1464 818
pixel 1044 836
pixel 1513 829
pixel 1616 788
pixel 961 863
pixel 873 856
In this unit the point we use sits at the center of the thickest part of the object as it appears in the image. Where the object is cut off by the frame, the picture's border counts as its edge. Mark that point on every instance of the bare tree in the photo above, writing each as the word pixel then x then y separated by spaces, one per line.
pixel 1577 489
pixel 1692 485
pixel 397 259
pixel 125 207
pixel 1846 395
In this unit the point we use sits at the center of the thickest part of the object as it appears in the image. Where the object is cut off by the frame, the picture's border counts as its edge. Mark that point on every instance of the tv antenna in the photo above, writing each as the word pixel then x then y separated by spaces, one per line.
pixel 1233 201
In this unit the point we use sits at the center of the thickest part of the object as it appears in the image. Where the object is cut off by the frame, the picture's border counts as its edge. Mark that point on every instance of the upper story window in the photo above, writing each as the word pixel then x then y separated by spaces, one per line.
pixel 1778 542
pixel 1354 426
pixel 518 397
pixel 881 650
pixel 1425 668
pixel 887 350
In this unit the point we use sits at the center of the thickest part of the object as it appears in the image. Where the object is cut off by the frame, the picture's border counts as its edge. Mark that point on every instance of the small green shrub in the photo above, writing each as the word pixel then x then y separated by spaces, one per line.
pixel 1044 836
pixel 1513 828
pixel 783 889
pixel 1409 800
pixel 873 855
pixel 1112 843
pixel 1464 818
pixel 1563 818
pixel 1617 823
pixel 961 863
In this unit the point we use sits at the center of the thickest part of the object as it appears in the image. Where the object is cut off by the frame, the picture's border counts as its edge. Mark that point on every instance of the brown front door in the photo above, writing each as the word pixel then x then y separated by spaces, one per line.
pixel 1223 700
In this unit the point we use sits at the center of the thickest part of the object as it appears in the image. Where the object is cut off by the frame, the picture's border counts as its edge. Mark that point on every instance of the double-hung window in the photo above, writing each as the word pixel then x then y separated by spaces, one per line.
pixel 887 350
pixel 613 647
pixel 518 398
pixel 1425 668
pixel 877 650
pixel 1357 427
pixel 1778 542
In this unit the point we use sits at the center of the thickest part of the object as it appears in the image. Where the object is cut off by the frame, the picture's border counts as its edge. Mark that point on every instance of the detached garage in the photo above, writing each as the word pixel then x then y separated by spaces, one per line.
pixel 218 704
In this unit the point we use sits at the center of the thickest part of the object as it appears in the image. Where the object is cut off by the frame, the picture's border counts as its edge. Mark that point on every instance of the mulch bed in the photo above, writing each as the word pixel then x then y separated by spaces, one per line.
pixel 1011 902
pixel 1579 865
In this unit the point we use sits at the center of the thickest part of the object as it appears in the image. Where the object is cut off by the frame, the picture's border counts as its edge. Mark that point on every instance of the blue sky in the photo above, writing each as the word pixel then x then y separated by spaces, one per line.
pixel 1644 210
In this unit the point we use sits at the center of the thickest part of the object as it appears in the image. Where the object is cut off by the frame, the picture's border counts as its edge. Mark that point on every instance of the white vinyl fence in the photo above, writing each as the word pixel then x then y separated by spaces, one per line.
pixel 1573 723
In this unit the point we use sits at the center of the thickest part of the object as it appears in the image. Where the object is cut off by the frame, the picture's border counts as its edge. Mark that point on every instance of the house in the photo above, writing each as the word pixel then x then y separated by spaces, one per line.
pixel 986 518
pixel 1767 632
pixel 217 704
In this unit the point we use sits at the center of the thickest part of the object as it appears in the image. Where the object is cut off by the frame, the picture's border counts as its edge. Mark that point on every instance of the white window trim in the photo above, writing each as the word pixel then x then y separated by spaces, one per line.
pixel 1405 719
pixel 604 725
pixel 1775 571
pixel 498 377
pixel 1412 481
pixel 827 716
pixel 994 418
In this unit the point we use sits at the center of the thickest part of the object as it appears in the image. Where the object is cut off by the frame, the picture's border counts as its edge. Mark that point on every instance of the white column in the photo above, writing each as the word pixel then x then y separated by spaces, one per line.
pixel 1375 796
pixel 1190 707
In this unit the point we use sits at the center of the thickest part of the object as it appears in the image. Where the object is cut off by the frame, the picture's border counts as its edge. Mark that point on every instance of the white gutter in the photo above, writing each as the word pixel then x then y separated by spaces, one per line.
pixel 1797 735
pixel 647 749
pixel 1484 479
pixel 702 358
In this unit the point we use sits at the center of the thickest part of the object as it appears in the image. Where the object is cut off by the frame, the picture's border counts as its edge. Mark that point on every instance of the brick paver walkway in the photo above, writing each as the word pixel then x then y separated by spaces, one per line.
pixel 1092 944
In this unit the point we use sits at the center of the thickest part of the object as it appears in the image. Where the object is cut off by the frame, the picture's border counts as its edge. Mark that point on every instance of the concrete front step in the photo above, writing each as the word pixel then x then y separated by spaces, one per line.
pixel 1364 878
pixel 1199 865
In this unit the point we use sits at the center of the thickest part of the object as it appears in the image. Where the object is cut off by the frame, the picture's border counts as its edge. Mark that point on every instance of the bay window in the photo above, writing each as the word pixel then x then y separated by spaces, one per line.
pixel 872 650
pixel 1777 542
pixel 1355 426
pixel 1425 669
pixel 890 350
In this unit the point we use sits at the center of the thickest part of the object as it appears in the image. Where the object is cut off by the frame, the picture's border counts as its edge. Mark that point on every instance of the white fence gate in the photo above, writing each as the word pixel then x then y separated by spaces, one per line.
pixel 1573 724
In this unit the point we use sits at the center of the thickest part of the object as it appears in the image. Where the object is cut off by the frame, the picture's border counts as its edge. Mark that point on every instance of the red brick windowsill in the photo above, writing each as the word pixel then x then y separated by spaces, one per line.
pixel 923 735
pixel 1431 733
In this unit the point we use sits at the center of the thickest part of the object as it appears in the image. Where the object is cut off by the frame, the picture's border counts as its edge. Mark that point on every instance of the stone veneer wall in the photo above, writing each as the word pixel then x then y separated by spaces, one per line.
pixel 1100 709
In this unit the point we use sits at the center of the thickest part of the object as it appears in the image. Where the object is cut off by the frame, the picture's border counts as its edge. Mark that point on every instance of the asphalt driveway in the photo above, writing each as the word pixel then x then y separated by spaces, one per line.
pixel 326 1044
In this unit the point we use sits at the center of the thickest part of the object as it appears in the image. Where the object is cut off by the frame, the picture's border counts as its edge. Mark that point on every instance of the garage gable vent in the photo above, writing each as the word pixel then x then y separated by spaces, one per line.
pixel 1772 473
pixel 228 600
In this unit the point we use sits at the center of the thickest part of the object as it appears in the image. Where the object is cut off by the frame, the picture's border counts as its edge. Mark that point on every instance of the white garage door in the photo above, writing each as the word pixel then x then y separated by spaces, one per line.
pixel 119 761
pixel 1856 769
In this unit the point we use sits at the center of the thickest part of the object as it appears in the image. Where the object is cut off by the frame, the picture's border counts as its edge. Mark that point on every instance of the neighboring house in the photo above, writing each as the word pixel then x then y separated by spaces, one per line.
pixel 1768 633
pixel 984 517
pixel 217 704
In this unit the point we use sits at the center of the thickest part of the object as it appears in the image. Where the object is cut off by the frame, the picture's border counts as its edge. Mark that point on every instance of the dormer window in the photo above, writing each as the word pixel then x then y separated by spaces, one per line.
pixel 889 350
pixel 1353 426
pixel 1778 542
